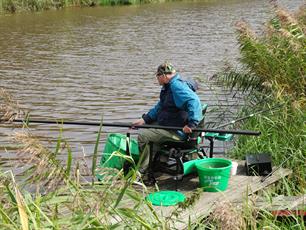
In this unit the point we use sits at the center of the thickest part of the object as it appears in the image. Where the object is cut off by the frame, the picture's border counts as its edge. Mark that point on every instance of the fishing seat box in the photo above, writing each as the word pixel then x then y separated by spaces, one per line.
pixel 258 164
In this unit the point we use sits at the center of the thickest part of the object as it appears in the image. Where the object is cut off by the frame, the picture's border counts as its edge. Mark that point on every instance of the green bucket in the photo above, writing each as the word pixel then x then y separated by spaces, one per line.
pixel 214 174
pixel 189 166
pixel 116 142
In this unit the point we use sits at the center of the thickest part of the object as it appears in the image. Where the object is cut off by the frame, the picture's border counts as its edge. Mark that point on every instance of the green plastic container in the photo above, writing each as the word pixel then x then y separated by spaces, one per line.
pixel 224 137
pixel 214 174
pixel 189 166
pixel 166 198
pixel 116 142
pixel 219 136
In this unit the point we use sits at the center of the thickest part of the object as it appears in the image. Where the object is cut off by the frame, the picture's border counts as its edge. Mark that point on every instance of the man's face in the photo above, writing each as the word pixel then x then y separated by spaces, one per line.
pixel 161 78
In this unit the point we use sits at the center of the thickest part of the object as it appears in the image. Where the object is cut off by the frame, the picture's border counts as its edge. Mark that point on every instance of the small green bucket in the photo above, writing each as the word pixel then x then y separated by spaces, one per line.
pixel 189 166
pixel 214 174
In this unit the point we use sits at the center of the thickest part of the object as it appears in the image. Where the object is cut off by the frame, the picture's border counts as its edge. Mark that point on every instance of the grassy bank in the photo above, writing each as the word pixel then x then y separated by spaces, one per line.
pixel 12 6
pixel 273 74
pixel 62 199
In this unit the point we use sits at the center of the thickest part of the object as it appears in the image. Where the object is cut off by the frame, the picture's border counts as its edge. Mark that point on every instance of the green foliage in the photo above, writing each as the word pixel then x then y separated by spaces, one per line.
pixel 70 204
pixel 13 6
pixel 9 5
pixel 273 73
pixel 283 135
pixel 95 154
pixel 276 61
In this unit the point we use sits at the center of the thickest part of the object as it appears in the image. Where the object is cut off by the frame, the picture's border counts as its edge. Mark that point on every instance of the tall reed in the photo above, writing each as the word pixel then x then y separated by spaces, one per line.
pixel 273 72
pixel 66 201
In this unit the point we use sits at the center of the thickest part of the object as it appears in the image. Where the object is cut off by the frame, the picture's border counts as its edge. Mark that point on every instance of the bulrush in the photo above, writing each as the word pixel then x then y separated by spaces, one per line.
pixel 9 107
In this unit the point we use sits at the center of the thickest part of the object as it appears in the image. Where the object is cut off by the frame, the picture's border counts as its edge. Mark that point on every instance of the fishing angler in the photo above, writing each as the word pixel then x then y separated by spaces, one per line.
pixel 178 105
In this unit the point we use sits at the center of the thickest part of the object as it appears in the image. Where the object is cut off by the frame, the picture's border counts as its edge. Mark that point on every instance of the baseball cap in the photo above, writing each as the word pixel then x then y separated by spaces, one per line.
pixel 165 68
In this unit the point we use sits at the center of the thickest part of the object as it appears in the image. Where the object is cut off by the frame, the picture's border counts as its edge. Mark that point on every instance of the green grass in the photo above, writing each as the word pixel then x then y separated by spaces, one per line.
pixel 62 201
pixel 273 73
pixel 283 136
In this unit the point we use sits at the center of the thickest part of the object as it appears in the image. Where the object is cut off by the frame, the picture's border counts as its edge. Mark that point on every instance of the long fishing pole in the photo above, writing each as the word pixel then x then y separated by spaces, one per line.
pixel 249 116
pixel 130 125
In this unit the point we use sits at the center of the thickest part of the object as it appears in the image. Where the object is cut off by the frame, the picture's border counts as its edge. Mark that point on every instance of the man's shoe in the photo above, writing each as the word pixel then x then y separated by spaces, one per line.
pixel 150 182
pixel 148 179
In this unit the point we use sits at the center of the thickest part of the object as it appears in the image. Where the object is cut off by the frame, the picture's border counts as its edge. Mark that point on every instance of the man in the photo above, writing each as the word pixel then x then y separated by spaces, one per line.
pixel 179 106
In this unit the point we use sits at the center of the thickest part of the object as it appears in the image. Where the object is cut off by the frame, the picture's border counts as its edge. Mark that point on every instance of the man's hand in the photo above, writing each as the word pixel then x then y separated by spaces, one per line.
pixel 138 122
pixel 187 129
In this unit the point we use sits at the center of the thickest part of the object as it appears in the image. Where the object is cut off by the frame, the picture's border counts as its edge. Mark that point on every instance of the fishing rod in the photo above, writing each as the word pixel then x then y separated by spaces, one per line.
pixel 130 125
pixel 249 116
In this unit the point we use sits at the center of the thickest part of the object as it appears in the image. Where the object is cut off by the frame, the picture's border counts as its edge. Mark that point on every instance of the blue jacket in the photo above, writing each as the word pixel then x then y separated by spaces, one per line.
pixel 178 105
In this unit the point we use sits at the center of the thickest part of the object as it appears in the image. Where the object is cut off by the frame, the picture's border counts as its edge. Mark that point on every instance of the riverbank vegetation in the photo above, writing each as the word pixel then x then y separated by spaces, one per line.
pixel 273 76
pixel 59 199
pixel 13 6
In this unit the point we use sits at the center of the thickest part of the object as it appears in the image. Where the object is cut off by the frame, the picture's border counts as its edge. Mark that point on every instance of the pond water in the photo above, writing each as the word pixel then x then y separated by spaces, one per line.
pixel 84 64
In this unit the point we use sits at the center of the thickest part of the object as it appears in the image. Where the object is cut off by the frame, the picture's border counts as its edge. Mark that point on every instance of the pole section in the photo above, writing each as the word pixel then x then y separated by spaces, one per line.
pixel 129 125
